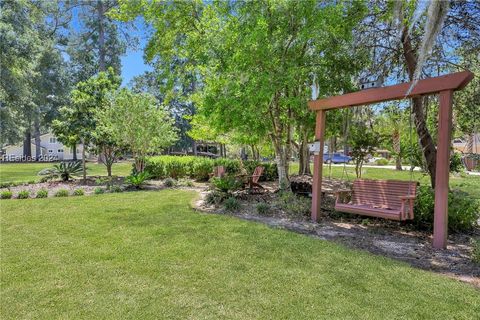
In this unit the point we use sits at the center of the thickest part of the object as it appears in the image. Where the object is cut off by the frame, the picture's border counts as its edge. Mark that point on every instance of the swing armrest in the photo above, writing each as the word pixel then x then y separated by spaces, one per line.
pixel 343 191
pixel 407 197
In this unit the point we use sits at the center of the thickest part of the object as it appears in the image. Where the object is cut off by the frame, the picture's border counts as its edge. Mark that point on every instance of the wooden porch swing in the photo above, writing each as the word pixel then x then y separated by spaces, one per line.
pixel 390 199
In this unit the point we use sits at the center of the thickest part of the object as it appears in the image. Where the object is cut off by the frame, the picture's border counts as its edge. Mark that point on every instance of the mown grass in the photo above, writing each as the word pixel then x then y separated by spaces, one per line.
pixel 148 255
pixel 25 172
pixel 469 184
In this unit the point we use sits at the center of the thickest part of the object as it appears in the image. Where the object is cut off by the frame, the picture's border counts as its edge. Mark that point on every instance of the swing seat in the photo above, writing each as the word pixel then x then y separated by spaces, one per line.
pixel 388 199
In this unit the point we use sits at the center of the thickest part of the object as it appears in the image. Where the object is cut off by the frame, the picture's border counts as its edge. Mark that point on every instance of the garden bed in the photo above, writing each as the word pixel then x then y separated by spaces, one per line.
pixel 383 237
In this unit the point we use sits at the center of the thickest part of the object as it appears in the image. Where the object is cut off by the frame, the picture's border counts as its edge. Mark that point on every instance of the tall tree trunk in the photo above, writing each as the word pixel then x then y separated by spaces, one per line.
pixel 27 144
pixel 304 155
pixel 74 152
pixel 101 35
pixel 36 134
pixel 469 143
pixel 397 149
pixel 84 164
pixel 426 141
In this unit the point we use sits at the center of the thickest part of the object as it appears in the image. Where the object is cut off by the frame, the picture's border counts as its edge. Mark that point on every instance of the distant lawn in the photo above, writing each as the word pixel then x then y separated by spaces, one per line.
pixel 470 184
pixel 147 255
pixel 25 172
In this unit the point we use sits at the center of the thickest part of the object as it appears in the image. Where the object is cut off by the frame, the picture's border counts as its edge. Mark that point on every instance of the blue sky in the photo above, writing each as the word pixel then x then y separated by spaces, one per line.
pixel 133 63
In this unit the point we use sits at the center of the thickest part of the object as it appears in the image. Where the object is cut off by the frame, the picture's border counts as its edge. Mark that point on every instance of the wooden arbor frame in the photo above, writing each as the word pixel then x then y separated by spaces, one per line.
pixel 444 86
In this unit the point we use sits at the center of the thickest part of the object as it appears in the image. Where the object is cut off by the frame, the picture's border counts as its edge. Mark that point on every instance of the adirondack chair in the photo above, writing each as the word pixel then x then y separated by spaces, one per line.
pixel 253 179
pixel 388 199
pixel 218 172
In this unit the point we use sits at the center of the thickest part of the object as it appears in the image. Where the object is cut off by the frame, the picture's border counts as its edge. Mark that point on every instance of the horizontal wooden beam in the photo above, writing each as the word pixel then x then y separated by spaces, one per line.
pixel 453 81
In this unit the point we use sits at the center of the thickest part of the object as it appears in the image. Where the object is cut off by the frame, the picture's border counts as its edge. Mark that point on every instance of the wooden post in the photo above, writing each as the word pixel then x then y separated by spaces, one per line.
pixel 318 166
pixel 440 223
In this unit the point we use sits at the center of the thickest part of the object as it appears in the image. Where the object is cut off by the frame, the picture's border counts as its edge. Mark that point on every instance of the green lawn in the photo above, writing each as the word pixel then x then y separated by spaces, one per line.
pixel 25 172
pixel 470 184
pixel 148 255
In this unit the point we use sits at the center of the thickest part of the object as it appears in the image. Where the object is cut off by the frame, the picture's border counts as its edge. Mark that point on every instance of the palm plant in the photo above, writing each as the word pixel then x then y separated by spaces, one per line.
pixel 63 170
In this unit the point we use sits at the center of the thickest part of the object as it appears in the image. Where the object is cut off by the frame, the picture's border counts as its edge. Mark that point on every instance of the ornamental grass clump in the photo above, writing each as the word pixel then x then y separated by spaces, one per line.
pixel 42 193
pixel 24 194
pixel 61 193
pixel 7 194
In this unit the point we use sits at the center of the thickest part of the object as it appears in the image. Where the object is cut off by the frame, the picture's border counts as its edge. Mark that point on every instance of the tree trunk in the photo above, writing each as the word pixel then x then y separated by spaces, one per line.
pixel 101 36
pixel 426 141
pixel 304 156
pixel 27 144
pixel 36 128
pixel 397 149
pixel 84 164
pixel 74 152
pixel 469 143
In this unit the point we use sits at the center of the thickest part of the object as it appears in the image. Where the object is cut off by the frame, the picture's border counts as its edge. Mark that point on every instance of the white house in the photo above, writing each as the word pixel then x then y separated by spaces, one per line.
pixel 51 150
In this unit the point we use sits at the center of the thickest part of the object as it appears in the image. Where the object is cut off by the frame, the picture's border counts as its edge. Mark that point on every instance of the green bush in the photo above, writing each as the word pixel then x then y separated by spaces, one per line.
pixel 294 205
pixel 137 180
pixel 7 194
pixel 186 183
pixel 169 183
pixel 78 192
pixel 231 204
pixel 42 193
pixel 476 250
pixel 201 169
pixel 263 208
pixel 63 170
pixel 116 189
pixel 99 190
pixel 24 194
pixel 216 197
pixel 381 162
pixel 198 168
pixel 456 164
pixel 226 183
pixel 463 211
pixel 61 193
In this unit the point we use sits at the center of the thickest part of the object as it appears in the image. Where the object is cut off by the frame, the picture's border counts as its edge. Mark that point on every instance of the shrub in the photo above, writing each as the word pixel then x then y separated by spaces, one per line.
pixel 63 170
pixel 7 194
pixel 463 211
pixel 24 194
pixel 186 183
pixel 263 208
pixel 116 189
pixel 198 168
pixel 216 197
pixel 201 169
pixel 231 204
pixel 476 250
pixel 61 193
pixel 78 192
pixel 226 184
pixel 456 164
pixel 176 169
pixel 381 162
pixel 42 193
pixel 169 183
pixel 154 167
pixel 294 205
pixel 137 180
pixel 99 190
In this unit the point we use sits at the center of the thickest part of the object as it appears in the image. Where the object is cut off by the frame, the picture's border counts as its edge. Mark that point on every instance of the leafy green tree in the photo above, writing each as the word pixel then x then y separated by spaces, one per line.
pixel 138 123
pixel 362 141
pixel 99 43
pixel 77 122
pixel 255 59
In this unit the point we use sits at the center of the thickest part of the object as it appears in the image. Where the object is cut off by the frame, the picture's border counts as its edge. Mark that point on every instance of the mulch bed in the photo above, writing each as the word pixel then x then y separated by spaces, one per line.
pixel 381 237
